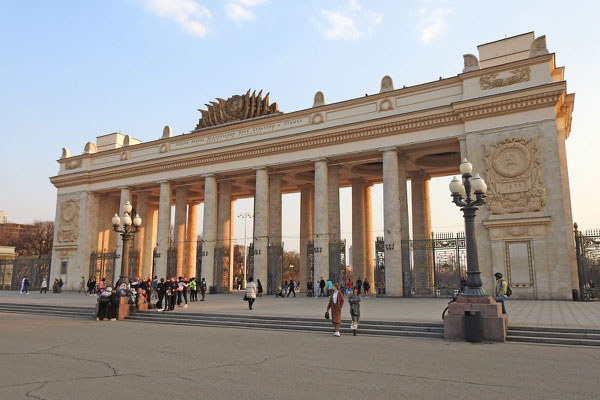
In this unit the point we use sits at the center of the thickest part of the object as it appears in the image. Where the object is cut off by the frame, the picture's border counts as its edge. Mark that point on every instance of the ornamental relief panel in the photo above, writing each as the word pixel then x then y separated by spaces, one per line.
pixel 69 221
pixel 513 170
pixel 516 75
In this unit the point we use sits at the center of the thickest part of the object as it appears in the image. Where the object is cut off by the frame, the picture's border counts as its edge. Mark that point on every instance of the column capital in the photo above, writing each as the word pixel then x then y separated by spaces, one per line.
pixel 260 168
pixel 388 148
pixel 209 175
pixel 357 180
pixel 165 181
pixel 125 187
pixel 317 159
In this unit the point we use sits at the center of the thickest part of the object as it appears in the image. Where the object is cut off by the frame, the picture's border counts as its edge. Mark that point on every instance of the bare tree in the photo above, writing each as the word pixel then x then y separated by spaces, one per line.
pixel 36 240
pixel 291 263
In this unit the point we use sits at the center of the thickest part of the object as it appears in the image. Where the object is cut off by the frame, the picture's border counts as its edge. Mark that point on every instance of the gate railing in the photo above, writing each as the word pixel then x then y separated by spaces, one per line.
pixel 13 270
pixel 588 263
pixel 222 256
pixel 380 267
pixel 274 267
pixel 436 264
pixel 103 265
pixel 310 262
pixel 337 262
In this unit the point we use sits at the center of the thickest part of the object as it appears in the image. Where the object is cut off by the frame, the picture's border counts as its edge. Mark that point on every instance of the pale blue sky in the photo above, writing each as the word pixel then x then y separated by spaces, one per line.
pixel 74 70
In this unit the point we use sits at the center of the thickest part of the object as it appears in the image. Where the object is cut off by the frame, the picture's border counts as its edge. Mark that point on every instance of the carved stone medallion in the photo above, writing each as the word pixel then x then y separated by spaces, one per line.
pixel 513 170
pixel 69 221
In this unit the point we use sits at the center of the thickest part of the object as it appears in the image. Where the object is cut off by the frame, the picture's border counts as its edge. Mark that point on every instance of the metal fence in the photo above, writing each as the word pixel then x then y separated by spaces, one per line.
pixel 274 267
pixel 103 266
pixel 337 262
pixel 13 270
pixel 588 263
pixel 436 264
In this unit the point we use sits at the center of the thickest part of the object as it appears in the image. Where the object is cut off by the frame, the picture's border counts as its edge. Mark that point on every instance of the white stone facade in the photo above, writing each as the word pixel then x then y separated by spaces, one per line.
pixel 508 112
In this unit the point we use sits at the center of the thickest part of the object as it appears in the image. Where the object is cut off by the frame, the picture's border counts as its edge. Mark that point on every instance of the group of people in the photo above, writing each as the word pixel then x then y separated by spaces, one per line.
pixel 323 288
pixel 335 304
pixel 174 291
pixel 26 283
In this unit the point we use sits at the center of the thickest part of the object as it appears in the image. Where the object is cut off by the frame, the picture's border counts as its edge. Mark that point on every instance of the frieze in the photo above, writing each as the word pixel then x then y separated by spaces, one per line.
pixel 69 221
pixel 74 164
pixel 513 170
pixel 517 75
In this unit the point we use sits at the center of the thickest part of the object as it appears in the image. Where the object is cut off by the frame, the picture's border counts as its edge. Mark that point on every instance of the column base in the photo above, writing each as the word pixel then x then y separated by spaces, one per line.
pixel 494 322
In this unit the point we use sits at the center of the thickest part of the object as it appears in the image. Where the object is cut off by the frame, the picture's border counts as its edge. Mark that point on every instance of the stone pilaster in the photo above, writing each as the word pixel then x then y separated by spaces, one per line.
pixel 209 229
pixel 321 234
pixel 358 229
pixel 275 270
pixel 261 226
pixel 164 228
pixel 333 182
pixel 391 223
pixel 191 240
pixel 421 221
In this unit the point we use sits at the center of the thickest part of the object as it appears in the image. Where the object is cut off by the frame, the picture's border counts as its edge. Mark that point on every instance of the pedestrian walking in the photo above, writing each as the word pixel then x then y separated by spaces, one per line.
pixel 160 290
pixel 202 288
pixel 193 285
pixel 501 290
pixel 336 302
pixel 44 287
pixel 260 288
pixel 330 286
pixel 82 285
pixel 291 287
pixel 60 285
pixel 359 285
pixel 366 288
pixel 354 300
pixel 24 285
pixel 251 292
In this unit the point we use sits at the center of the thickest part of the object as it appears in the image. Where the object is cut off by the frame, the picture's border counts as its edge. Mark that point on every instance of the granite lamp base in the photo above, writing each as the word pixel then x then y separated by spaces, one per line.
pixel 494 322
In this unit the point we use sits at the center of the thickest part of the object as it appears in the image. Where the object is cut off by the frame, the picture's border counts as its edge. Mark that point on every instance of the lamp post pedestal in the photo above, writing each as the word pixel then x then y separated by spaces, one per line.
pixel 494 323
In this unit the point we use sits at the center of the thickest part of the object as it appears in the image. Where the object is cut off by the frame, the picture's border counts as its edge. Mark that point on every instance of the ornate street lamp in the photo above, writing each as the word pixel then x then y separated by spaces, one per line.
pixel 462 196
pixel 130 228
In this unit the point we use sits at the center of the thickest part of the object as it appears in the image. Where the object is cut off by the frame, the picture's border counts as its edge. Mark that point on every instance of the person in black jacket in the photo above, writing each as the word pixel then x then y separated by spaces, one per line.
pixel 160 290
pixel 114 305
pixel 322 287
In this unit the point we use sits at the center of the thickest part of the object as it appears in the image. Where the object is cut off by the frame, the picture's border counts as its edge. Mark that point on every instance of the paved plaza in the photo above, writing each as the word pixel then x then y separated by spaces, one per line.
pixel 521 312
pixel 48 358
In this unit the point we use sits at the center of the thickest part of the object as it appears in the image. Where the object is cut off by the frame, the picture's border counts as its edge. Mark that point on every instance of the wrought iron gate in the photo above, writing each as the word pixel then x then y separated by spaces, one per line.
pixel 274 267
pixel 380 267
pixel 588 263
pixel 310 262
pixel 337 262
pixel 222 256
pixel 199 262
pixel 437 264
pixel 13 270
pixel 250 261
pixel 102 266
pixel 171 262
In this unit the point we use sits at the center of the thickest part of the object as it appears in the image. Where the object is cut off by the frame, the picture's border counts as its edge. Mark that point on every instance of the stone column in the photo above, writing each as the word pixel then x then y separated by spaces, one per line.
pixel 421 220
pixel 209 229
pixel 404 226
pixel 306 228
pixel 321 234
pixel 149 222
pixel 369 240
pixel 358 229
pixel 191 240
pixel 164 228
pixel 335 234
pixel 141 207
pixel 109 205
pixel 275 270
pixel 125 197
pixel 86 240
pixel 224 236
pixel 391 223
pixel 261 226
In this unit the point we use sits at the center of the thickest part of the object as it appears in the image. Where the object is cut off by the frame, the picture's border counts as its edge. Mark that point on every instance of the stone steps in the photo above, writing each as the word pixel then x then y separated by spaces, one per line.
pixel 518 334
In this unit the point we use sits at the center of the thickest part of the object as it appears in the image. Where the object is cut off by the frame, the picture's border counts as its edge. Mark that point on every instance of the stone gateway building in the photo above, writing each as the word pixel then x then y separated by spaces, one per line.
pixel 508 112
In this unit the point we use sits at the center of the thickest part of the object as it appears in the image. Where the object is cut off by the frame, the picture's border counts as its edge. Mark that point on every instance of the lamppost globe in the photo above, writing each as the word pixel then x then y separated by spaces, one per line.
pixel 466 167
pixel 116 220
pixel 478 184
pixel 126 220
pixel 127 208
pixel 137 221
pixel 455 186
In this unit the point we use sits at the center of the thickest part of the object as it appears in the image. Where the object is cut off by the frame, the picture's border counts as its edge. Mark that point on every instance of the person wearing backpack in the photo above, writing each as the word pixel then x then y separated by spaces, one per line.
pixel 502 290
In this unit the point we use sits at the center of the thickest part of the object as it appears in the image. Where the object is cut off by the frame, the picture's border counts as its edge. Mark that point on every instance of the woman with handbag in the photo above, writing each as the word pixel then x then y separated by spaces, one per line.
pixel 336 302
pixel 251 291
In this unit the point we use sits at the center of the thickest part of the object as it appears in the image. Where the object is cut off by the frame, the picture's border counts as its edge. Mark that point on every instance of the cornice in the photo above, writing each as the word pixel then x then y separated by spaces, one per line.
pixel 432 118
pixel 511 65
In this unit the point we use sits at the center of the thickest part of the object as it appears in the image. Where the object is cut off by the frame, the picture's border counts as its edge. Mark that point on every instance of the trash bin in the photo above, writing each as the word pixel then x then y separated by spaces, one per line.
pixel 212 290
pixel 575 295
pixel 473 326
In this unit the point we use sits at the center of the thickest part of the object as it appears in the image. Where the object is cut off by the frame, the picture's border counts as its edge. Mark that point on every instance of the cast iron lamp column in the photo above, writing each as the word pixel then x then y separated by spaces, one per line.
pixel 462 197
pixel 127 233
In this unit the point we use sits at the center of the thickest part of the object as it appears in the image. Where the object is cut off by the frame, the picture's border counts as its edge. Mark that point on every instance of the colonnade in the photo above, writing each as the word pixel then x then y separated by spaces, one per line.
pixel 319 223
